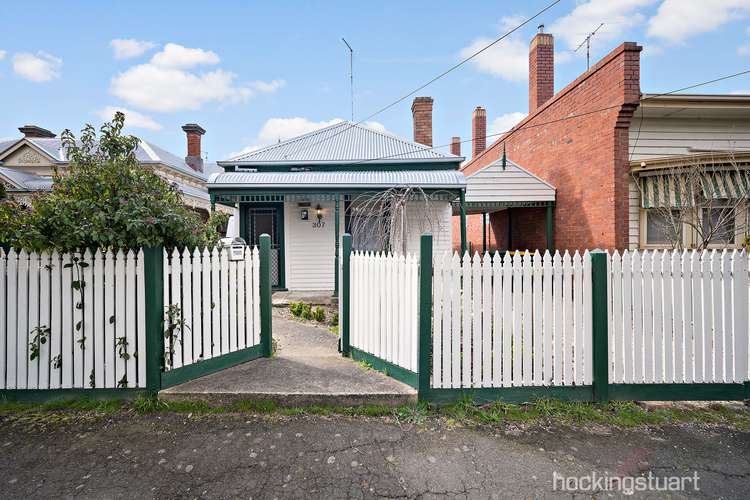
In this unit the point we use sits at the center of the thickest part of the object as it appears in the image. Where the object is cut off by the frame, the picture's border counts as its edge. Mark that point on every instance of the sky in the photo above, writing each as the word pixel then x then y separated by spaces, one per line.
pixel 253 73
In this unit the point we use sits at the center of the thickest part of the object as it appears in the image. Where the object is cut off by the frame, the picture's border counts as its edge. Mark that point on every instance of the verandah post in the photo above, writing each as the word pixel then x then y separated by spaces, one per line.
pixel 345 293
pixel 265 295
pixel 462 201
pixel 336 231
pixel 600 333
pixel 424 345
pixel 153 285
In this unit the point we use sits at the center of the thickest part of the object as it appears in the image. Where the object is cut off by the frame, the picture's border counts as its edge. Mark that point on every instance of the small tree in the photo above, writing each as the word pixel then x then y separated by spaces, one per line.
pixel 690 196
pixel 383 220
pixel 106 199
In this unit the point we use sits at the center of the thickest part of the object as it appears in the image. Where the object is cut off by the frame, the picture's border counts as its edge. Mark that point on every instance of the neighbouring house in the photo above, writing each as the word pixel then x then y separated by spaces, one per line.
pixel 679 136
pixel 27 165
pixel 600 143
pixel 307 191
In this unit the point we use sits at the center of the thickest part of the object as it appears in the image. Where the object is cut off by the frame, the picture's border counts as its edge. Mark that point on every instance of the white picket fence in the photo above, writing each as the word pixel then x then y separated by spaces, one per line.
pixel 218 301
pixel 512 321
pixel 82 311
pixel 678 317
pixel 384 308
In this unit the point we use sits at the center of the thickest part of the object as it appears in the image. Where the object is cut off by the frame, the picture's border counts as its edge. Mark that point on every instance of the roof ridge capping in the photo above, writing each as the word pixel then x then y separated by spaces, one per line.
pixel 373 153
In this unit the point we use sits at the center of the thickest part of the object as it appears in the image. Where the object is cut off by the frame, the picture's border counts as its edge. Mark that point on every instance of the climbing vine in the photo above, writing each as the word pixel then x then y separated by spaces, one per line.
pixel 39 336
pixel 173 324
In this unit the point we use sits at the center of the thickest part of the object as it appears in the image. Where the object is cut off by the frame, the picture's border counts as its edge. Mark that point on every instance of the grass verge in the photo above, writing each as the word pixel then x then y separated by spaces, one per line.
pixel 461 413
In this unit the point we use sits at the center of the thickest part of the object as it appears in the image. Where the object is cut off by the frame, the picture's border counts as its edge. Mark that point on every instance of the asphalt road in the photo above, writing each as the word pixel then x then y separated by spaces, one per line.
pixel 255 456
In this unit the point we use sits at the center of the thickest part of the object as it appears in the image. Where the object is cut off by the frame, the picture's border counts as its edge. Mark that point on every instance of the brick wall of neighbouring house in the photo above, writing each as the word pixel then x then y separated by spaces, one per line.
pixel 585 158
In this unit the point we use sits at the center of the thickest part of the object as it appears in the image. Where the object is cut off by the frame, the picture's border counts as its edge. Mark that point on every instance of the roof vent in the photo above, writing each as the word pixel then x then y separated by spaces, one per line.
pixel 34 131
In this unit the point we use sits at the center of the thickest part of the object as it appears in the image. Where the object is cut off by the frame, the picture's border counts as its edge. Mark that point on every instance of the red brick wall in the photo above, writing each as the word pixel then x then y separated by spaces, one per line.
pixel 585 157
pixel 541 70
pixel 193 144
pixel 421 112
pixel 478 131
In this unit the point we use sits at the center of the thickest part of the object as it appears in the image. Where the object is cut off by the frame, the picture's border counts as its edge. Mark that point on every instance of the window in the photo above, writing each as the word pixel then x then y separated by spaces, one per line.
pixel 717 223
pixel 661 229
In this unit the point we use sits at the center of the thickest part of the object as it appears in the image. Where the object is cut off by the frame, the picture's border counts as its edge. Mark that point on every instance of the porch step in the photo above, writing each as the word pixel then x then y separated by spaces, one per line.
pixel 316 298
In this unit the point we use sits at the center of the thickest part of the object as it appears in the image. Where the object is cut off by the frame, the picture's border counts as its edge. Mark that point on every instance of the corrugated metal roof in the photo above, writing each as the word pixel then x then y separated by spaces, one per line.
pixel 340 143
pixel 435 179
pixel 514 184
pixel 146 153
pixel 27 181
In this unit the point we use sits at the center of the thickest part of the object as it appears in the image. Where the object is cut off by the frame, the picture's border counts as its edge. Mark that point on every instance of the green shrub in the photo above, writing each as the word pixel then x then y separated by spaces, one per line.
pixel 300 310
pixel 296 308
pixel 335 319
pixel 319 314
pixel 106 199
pixel 306 311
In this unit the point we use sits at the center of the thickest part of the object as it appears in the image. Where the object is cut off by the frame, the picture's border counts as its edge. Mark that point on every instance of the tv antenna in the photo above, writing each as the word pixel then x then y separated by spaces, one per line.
pixel 587 41
pixel 351 73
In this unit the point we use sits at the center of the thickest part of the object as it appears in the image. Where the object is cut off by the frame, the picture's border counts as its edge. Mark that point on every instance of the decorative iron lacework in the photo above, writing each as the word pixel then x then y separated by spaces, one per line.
pixel 494 205
pixel 294 197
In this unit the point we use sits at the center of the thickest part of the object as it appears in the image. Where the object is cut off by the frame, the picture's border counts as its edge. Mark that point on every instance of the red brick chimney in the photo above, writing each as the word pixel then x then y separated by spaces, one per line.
pixel 194 158
pixel 421 112
pixel 478 131
pixel 456 146
pixel 541 69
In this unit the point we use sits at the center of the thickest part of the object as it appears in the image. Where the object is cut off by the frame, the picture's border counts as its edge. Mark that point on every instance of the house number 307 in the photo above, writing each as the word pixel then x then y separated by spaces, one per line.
pixel 320 223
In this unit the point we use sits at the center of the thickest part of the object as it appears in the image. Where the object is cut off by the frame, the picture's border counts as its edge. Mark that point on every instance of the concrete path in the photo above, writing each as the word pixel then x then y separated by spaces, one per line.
pixel 307 369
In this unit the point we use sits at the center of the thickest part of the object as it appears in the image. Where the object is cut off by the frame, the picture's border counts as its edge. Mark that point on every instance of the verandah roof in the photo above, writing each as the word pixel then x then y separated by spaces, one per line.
pixel 673 190
pixel 337 180
pixel 499 186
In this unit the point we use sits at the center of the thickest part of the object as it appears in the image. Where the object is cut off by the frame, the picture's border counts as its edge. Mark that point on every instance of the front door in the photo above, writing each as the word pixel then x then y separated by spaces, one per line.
pixel 268 219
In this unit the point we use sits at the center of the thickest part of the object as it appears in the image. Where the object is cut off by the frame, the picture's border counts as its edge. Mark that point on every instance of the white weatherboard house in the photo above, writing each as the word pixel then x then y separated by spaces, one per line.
pixel 304 193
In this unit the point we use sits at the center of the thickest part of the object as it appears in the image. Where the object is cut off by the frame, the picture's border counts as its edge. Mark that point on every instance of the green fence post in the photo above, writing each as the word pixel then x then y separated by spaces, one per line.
pixel 424 346
pixel 153 281
pixel 345 293
pixel 600 333
pixel 265 295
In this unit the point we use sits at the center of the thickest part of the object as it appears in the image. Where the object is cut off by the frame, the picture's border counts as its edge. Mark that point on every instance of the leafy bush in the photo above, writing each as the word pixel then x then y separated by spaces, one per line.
pixel 335 319
pixel 296 308
pixel 107 199
pixel 306 311
pixel 319 314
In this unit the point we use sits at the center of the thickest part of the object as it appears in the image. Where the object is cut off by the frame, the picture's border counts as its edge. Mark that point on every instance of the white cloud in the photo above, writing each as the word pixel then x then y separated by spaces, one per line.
pixel 2 54
pixel 744 50
pixel 177 56
pixel 39 67
pixel 507 59
pixel 504 123
pixel 678 20
pixel 280 129
pixel 618 17
pixel 740 92
pixel 164 84
pixel 271 86
pixel 133 119
pixel 125 48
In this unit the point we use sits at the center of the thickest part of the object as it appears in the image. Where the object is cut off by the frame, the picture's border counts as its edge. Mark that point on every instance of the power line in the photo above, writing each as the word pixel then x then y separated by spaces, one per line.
pixel 587 41
pixel 721 78
pixel 433 80
pixel 557 120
